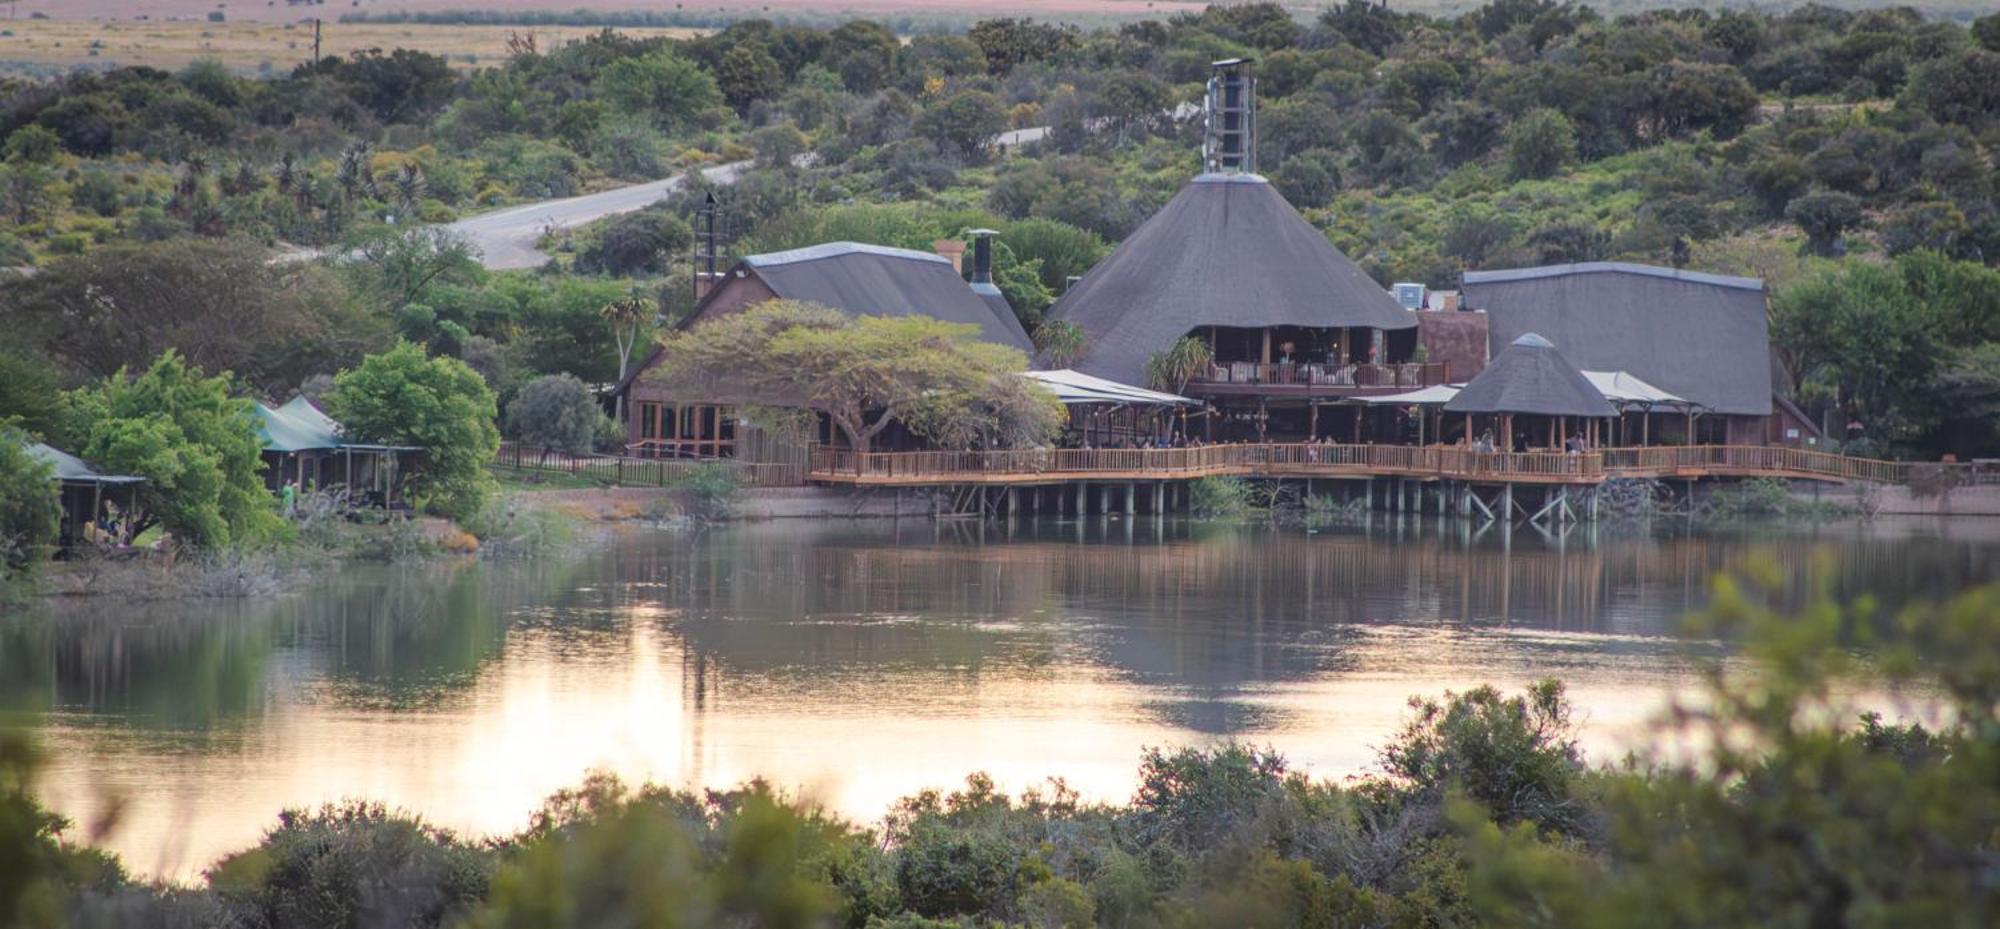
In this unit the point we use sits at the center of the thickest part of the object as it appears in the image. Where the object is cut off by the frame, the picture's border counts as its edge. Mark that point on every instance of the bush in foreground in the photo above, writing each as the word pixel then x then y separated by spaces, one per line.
pixel 1485 816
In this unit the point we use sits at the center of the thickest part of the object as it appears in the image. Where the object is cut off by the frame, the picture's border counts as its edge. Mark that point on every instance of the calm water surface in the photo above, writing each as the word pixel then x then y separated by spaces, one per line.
pixel 859 662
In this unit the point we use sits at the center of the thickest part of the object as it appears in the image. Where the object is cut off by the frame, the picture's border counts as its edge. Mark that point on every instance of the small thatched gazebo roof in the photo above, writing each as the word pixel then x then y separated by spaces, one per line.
pixel 1531 377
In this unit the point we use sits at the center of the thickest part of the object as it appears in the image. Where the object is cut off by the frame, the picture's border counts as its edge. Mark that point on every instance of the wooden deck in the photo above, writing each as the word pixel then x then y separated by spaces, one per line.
pixel 1056 466
pixel 1032 467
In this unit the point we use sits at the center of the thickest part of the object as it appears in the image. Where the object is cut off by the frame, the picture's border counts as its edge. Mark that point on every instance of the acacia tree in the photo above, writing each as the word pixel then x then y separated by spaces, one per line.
pixel 864 372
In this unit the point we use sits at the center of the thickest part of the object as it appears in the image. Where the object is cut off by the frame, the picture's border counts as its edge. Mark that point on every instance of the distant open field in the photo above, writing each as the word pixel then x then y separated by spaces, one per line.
pixel 285 11
pixel 59 45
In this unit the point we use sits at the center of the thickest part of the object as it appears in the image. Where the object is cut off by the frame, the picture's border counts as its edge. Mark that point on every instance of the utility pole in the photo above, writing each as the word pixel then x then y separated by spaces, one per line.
pixel 316 22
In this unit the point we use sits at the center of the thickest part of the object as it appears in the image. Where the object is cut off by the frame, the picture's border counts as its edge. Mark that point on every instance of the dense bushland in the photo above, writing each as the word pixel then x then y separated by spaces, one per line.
pixel 1521 132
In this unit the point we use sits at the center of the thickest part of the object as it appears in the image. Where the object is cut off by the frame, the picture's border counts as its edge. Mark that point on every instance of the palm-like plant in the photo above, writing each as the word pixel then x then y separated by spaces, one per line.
pixel 625 316
pixel 288 174
pixel 1061 343
pixel 352 172
pixel 1181 362
pixel 411 185
pixel 193 170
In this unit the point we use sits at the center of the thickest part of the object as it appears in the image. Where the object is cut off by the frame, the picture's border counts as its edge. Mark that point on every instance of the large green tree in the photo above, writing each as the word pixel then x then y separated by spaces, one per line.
pixel 224 306
pixel 29 513
pixel 192 438
pixel 440 405
pixel 1881 340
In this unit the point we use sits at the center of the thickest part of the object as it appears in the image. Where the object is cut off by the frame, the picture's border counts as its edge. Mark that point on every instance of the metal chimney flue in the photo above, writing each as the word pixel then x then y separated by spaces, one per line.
pixel 1229 142
pixel 982 254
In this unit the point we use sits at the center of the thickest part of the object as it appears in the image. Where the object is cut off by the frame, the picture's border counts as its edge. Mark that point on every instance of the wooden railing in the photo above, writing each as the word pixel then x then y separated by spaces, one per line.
pixel 833 465
pixel 628 471
pixel 1750 461
pixel 1301 374
pixel 1303 459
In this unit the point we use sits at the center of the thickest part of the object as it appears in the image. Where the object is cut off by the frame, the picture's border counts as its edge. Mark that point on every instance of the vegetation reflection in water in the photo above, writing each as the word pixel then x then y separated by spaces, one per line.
pixel 860 662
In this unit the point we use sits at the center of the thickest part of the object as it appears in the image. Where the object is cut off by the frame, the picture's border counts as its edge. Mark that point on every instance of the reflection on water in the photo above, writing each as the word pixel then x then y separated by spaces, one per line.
pixel 861 661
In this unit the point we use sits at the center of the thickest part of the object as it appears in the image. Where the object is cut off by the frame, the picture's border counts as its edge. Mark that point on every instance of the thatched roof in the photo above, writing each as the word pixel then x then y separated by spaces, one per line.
pixel 1531 377
pixel 1702 337
pixel 876 280
pixel 1226 251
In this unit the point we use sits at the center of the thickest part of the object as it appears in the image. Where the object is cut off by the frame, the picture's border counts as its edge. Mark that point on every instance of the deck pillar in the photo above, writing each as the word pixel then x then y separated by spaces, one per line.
pixel 1131 498
pixel 1507 502
pixel 1013 502
pixel 1082 499
pixel 1368 493
pixel 1159 498
pixel 1104 499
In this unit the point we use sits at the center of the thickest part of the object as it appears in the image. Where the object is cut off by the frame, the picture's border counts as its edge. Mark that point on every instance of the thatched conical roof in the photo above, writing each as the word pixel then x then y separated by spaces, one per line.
pixel 1226 251
pixel 1530 376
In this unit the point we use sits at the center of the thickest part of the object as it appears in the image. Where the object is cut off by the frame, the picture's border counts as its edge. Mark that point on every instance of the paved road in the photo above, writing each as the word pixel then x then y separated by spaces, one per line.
pixel 506 237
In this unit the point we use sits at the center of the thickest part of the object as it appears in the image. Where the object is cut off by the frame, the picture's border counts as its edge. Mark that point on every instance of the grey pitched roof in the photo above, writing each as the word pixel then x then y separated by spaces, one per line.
pixel 1699 336
pixel 1530 376
pixel 1226 251
pixel 68 467
pixel 996 301
pixel 880 281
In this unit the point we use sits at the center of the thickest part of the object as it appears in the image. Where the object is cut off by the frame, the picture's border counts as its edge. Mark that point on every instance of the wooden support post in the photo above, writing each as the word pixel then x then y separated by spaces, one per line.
pixel 1159 498
pixel 1131 496
pixel 1507 502
pixel 1013 502
pixel 1104 499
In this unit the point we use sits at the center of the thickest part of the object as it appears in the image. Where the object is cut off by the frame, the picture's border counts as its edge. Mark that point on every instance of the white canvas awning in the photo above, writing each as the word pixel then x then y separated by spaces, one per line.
pixel 1625 390
pixel 1429 396
pixel 1074 387
pixel 1619 387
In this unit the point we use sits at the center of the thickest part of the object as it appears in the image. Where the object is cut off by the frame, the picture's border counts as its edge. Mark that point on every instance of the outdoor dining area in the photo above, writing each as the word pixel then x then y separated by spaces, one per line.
pixel 1531 398
pixel 98 509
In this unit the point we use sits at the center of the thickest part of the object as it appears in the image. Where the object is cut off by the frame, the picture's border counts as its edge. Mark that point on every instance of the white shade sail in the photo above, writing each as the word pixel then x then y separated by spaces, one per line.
pixel 1429 396
pixel 1624 389
pixel 1075 387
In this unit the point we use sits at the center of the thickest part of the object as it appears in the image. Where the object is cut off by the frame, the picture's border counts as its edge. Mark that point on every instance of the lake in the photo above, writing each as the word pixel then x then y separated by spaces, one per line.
pixel 860 662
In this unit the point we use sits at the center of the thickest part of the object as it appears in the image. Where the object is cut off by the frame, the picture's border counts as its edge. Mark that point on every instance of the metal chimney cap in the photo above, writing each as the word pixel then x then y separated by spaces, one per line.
pixel 1230 62
pixel 977 233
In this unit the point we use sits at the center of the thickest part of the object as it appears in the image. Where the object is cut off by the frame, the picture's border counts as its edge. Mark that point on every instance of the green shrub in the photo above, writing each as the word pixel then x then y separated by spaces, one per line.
pixel 1220 497
pixel 710 491
pixel 555 411
pixel 30 515
pixel 354 865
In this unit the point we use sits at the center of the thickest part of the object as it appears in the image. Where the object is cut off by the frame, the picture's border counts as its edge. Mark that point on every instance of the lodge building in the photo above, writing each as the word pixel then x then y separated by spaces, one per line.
pixel 1304 345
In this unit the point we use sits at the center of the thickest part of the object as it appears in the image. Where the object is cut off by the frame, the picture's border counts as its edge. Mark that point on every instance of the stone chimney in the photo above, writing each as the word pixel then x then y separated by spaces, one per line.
pixel 952 249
